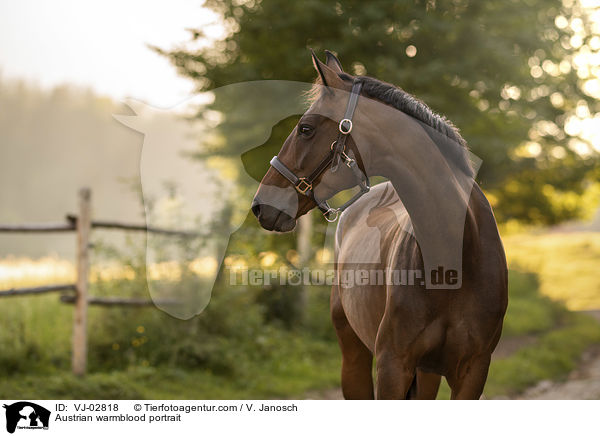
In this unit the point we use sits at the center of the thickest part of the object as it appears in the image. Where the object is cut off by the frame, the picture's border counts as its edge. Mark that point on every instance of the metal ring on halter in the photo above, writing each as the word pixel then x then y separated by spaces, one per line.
pixel 334 219
pixel 341 126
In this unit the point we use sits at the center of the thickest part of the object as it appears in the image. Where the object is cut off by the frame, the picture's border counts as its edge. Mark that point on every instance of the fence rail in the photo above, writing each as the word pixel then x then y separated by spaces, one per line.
pixel 83 224
pixel 37 228
pixel 116 301
pixel 12 292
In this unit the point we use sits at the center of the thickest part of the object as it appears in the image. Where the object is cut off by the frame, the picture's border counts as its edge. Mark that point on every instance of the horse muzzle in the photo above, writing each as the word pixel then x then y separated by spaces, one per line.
pixel 271 218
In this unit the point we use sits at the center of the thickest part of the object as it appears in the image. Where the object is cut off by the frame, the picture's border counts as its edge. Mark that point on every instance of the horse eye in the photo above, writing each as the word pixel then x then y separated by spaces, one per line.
pixel 305 129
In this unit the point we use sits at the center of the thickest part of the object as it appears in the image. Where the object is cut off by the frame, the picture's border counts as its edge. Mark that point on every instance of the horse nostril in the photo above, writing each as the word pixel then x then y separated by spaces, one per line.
pixel 256 209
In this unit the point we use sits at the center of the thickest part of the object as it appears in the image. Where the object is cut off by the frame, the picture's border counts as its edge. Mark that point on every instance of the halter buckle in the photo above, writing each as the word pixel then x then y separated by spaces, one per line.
pixel 302 189
pixel 343 129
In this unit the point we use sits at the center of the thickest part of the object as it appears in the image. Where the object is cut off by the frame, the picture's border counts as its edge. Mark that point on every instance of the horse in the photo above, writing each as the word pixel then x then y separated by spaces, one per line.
pixel 438 308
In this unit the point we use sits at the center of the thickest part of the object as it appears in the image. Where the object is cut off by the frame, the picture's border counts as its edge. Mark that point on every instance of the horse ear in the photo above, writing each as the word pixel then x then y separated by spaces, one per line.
pixel 328 76
pixel 333 62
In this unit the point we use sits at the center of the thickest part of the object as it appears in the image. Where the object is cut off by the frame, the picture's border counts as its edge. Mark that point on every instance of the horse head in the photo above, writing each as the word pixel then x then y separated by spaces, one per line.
pixel 307 170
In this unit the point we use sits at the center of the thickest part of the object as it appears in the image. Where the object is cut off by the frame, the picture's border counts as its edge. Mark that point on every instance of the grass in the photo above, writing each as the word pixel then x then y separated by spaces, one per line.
pixel 229 352
pixel 566 263
pixel 35 334
pixel 528 311
pixel 272 379
pixel 275 363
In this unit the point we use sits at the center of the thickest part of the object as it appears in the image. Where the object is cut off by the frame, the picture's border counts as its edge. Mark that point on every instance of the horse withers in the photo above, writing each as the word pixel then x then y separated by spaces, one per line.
pixel 421 272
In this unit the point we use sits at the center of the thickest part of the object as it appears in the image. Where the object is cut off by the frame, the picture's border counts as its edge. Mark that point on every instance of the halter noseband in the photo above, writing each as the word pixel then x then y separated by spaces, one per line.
pixel 304 185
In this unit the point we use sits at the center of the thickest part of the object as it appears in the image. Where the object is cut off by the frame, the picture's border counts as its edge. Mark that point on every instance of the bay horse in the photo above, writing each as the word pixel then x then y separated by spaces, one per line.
pixel 430 226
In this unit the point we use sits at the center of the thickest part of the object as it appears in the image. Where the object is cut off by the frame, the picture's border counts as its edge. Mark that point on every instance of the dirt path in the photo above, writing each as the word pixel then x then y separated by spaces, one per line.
pixel 581 384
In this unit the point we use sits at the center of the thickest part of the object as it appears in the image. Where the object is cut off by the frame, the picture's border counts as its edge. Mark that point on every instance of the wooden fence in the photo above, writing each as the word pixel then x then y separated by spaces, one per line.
pixel 83 224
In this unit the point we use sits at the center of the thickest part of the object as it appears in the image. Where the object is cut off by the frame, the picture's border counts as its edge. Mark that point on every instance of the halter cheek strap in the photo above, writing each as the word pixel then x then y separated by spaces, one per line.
pixel 363 183
pixel 304 185
pixel 345 126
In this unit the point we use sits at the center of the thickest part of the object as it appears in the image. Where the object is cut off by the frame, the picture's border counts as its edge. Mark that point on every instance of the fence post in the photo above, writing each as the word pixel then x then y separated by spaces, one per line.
pixel 83 264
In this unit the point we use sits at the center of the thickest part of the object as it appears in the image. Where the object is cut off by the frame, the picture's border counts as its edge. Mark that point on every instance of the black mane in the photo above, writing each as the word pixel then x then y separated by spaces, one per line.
pixel 410 105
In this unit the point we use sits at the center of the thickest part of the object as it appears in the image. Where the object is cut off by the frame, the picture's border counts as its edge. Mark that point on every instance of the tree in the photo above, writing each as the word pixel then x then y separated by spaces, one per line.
pixel 515 77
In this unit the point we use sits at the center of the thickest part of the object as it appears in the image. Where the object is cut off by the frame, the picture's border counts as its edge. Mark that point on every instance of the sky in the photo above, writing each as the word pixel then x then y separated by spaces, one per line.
pixel 100 45
pixel 103 45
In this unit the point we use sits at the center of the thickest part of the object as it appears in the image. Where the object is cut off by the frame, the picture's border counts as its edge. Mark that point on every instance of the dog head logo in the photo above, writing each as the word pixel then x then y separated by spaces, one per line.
pixel 183 193
pixel 26 415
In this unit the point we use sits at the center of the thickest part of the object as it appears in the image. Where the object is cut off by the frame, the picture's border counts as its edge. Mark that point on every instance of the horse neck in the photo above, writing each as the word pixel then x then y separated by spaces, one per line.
pixel 434 190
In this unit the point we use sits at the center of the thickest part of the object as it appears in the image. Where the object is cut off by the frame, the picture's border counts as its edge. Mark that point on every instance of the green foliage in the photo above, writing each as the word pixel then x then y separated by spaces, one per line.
pixel 491 67
pixel 235 348
pixel 566 264
pixel 282 305
pixel 222 354
pixel 552 357
pixel 182 360
pixel 529 311
pixel 30 338
pixel 230 350
pixel 302 364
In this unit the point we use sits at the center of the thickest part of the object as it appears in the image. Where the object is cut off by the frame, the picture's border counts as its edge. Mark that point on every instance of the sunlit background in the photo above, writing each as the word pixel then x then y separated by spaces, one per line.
pixel 103 46
pixel 532 114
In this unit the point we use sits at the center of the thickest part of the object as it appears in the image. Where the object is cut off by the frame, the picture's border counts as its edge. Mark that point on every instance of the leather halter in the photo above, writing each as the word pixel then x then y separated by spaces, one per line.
pixel 304 185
